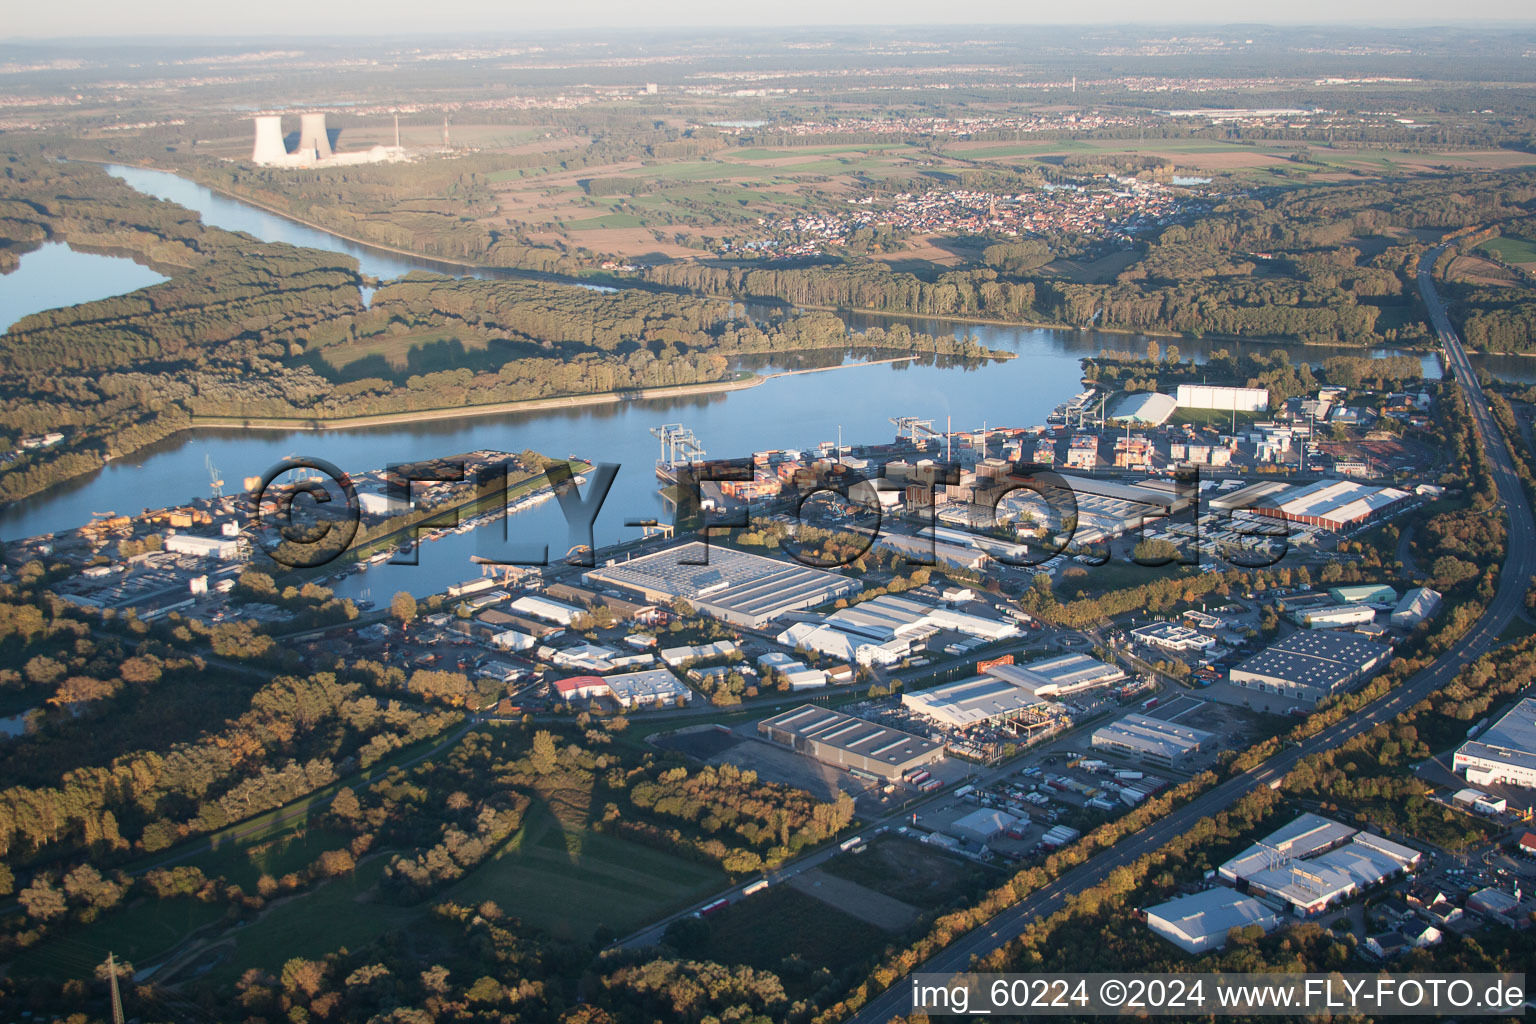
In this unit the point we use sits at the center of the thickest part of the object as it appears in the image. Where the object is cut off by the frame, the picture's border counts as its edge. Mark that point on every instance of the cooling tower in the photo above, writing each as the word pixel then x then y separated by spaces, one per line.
pixel 269 141
pixel 313 140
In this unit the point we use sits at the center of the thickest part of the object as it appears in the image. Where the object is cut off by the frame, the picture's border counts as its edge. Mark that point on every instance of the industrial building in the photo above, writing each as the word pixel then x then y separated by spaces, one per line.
pixel 679 656
pixel 1335 617
pixel 847 742
pixel 888 617
pixel 1059 676
pixel 1364 593
pixel 224 549
pixel 1173 637
pixel 1223 399
pixel 1505 752
pixel 1314 861
pixel 1200 922
pixel 649 688
pixel 930 551
pixel 827 639
pixel 733 586
pixel 1307 667
pixel 1331 504
pixel 983 825
pixel 1151 739
pixel 982 700
pixel 1149 408
pixel 1416 606
pixel 270 149
pixel 546 609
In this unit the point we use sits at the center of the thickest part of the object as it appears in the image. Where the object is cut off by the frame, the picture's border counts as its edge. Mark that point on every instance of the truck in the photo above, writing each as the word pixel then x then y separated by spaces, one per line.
pixel 1149 703
pixel 930 785
pixel 848 844
pixel 918 778
pixel 1129 776
pixel 757 886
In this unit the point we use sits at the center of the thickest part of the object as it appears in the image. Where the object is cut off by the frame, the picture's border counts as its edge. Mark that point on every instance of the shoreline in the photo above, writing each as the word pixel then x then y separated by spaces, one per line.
pixel 492 409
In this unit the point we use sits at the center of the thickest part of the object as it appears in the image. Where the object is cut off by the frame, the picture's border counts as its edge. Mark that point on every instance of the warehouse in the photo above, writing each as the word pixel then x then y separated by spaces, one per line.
pixel 847 742
pixel 622 609
pixel 928 551
pixel 1308 667
pixel 1059 676
pixel 1151 739
pixel 1310 886
pixel 889 616
pixel 1201 922
pixel 1505 752
pixel 825 638
pixel 984 825
pixel 982 700
pixel 1307 835
pixel 1223 399
pixel 1416 606
pixel 1365 593
pixel 678 656
pixel 1263 493
pixel 1332 504
pixel 544 608
pixel 1148 408
pixel 1337 617
pixel 735 587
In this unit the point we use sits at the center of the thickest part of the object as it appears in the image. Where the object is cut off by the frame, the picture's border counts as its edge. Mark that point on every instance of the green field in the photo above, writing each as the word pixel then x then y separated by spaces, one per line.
pixel 570 882
pixel 906 870
pixel 1512 250
pixel 784 922
pixel 137 934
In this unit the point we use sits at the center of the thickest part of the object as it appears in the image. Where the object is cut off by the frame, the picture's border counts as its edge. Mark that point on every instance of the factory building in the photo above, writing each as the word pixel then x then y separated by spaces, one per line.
pixel 1151 739
pixel 928 551
pixel 1199 923
pixel 1416 606
pixel 1337 617
pixel 834 738
pixel 679 656
pixel 1059 676
pixel 1365 593
pixel 888 617
pixel 983 700
pixel 733 586
pixel 1173 637
pixel 1224 399
pixel 1307 835
pixel 1307 667
pixel 648 688
pixel 224 549
pixel 827 639
pixel 1505 752
pixel 1331 504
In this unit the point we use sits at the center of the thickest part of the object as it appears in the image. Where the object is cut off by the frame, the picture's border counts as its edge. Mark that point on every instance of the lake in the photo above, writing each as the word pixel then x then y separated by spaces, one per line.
pixel 54 275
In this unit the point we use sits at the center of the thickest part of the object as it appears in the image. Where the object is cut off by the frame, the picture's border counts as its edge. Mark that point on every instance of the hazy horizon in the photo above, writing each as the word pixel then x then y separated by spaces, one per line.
pixel 287 19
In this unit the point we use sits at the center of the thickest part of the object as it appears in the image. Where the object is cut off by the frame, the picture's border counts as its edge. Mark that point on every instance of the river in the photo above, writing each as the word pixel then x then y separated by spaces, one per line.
pixel 53 275
pixel 783 412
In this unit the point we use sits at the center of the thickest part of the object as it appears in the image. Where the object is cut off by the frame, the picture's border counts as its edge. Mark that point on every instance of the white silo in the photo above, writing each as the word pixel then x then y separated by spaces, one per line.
pixel 313 140
pixel 269 147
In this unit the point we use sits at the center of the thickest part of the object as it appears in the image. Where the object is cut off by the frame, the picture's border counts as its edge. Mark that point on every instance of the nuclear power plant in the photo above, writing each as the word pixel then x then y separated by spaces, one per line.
pixel 314 149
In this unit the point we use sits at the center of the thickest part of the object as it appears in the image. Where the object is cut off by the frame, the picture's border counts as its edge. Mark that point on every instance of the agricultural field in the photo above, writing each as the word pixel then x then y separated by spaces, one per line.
pixel 1517 252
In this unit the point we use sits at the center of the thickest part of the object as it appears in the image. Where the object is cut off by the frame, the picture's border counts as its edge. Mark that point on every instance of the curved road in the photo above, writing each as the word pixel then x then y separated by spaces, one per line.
pixel 1519 564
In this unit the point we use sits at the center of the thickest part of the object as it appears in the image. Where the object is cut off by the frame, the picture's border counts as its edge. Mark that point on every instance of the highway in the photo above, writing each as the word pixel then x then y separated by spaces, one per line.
pixel 1519 565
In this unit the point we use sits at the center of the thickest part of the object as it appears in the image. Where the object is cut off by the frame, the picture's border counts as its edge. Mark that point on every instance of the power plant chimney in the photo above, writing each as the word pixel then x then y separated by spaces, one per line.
pixel 269 148
pixel 313 140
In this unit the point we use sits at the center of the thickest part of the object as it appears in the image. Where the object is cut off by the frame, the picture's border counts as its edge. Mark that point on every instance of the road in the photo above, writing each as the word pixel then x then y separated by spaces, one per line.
pixel 1520 561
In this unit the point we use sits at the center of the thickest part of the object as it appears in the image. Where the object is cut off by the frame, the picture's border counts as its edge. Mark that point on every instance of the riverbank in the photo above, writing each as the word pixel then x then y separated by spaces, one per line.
pixel 740 383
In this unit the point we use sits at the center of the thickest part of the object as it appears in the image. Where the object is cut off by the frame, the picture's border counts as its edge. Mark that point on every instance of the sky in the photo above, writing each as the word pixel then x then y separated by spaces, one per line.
pixel 110 18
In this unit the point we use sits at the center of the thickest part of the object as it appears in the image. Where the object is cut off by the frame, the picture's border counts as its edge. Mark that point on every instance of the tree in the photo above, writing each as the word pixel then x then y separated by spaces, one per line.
pixel 42 900
pixel 402 606
pixel 544 757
